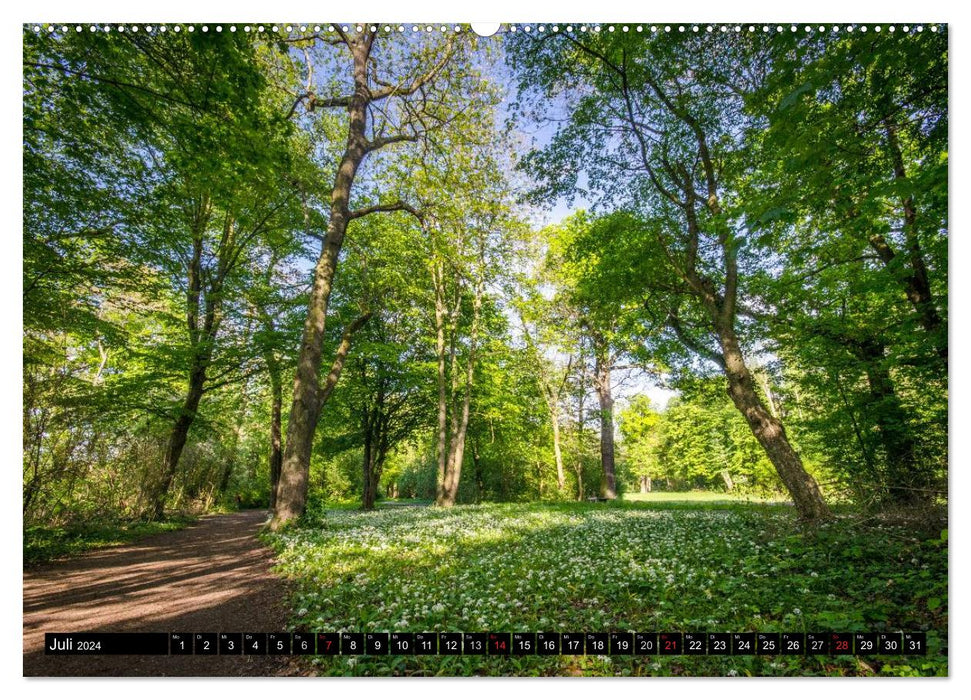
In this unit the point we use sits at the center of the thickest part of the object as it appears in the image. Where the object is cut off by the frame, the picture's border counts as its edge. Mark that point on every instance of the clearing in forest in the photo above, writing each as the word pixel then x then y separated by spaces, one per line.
pixel 620 567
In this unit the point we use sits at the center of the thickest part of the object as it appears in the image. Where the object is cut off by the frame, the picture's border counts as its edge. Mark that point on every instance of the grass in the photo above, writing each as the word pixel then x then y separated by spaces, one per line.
pixel 43 544
pixel 607 567
pixel 696 497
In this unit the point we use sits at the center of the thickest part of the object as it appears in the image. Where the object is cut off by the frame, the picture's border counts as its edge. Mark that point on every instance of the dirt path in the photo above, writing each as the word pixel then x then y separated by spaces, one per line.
pixel 210 577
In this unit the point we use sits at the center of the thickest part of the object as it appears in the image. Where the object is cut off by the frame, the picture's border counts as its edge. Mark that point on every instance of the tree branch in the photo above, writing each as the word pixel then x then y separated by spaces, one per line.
pixel 394 206
pixel 335 369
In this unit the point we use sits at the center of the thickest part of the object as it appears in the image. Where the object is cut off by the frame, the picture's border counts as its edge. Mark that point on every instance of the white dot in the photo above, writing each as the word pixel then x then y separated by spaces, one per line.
pixel 92 28
pixel 289 27
pixel 135 28
pixel 681 28
pixel 121 28
pixel 640 28
pixel 163 29
pixel 694 29
pixel 232 27
pixel 920 29
pixel 709 29
pixel 891 28
pixel 863 29
pixel 877 28
pixel 176 29
pixel 246 28
pixel 934 28
pixel 626 29
pixel 205 28
pixel 373 28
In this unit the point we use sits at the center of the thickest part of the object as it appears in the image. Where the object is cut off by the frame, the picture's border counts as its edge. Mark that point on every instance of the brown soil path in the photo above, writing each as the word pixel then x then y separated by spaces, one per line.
pixel 210 577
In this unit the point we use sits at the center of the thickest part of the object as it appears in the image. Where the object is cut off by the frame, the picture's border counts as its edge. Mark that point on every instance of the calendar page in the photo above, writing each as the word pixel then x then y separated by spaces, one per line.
pixel 519 349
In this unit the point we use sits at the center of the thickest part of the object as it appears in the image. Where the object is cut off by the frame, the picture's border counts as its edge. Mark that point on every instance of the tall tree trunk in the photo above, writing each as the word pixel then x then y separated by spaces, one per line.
pixel 903 479
pixel 769 432
pixel 367 492
pixel 305 409
pixel 276 434
pixel 438 273
pixel 460 426
pixel 581 426
pixel 916 281
pixel 606 399
pixel 177 440
pixel 557 452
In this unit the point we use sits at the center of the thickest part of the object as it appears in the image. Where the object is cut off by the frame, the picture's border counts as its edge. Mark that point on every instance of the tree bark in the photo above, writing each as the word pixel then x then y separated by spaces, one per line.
pixel 903 480
pixel 557 452
pixel 177 440
pixel 305 408
pixel 769 432
pixel 916 281
pixel 605 396
pixel 276 434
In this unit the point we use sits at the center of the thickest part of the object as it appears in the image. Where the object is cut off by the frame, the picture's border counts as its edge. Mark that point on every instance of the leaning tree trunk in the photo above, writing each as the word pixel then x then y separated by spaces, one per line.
pixel 305 409
pixel 177 440
pixel 769 432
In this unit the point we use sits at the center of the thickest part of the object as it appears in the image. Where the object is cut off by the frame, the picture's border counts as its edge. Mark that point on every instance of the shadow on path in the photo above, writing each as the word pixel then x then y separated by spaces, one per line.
pixel 210 577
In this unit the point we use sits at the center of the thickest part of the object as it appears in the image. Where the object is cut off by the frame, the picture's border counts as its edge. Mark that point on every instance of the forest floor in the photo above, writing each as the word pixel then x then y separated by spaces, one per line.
pixel 632 567
pixel 213 576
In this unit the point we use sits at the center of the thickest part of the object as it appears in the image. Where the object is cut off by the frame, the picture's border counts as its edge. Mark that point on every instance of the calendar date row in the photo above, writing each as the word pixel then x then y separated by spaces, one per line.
pixel 488 643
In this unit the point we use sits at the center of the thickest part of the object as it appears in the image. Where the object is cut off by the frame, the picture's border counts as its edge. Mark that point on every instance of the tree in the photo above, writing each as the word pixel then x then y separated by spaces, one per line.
pixel 195 195
pixel 412 97
pixel 671 142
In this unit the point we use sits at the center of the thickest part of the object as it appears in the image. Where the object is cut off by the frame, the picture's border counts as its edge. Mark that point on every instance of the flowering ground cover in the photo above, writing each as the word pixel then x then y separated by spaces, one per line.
pixel 614 567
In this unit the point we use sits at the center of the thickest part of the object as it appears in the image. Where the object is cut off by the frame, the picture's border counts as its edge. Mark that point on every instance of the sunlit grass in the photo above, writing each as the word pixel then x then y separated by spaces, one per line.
pixel 698 497
pixel 619 566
